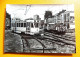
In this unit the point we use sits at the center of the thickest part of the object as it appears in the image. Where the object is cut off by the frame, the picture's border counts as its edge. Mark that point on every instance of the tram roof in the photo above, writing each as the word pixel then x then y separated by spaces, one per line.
pixel 29 19
pixel 51 23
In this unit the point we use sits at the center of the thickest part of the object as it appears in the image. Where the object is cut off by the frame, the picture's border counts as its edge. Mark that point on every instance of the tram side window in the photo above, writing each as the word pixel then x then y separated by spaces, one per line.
pixel 21 24
pixel 24 24
pixel 17 24
pixel 31 24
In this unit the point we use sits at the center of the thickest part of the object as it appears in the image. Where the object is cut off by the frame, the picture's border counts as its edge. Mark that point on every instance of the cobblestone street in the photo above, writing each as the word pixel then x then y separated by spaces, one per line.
pixel 49 43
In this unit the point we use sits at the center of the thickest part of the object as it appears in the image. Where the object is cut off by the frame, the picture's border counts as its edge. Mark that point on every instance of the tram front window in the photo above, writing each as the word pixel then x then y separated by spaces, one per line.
pixel 36 24
pixel 28 24
pixel 31 24
pixel 24 24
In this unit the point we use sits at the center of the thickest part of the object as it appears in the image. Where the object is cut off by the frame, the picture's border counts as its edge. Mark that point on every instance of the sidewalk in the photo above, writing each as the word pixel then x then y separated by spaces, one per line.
pixel 12 42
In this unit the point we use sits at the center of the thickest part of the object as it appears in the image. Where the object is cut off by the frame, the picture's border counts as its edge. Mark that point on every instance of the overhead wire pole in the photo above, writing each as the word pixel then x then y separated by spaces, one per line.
pixel 27 9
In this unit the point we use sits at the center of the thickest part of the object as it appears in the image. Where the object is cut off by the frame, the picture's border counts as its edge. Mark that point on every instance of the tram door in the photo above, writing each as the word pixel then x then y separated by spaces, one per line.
pixel 28 26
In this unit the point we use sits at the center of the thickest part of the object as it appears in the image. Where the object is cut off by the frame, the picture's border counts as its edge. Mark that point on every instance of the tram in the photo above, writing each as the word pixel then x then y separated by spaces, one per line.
pixel 27 27
pixel 58 23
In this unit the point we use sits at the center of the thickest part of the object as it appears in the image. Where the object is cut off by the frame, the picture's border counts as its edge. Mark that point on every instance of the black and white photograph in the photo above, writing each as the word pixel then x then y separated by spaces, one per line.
pixel 39 28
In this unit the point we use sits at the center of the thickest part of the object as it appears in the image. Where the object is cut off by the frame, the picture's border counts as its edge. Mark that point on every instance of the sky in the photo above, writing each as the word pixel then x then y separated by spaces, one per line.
pixel 24 11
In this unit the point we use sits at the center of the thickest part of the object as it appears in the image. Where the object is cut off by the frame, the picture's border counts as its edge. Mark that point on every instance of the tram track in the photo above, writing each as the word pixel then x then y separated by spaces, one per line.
pixel 67 37
pixel 44 47
pixel 58 39
pixel 28 44
pixel 50 37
